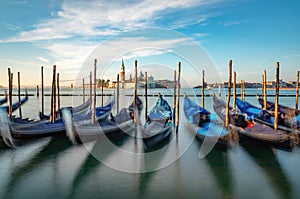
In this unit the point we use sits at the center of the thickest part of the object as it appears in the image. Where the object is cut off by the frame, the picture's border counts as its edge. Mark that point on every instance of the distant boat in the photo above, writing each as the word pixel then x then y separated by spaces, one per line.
pixel 16 105
pixel 4 100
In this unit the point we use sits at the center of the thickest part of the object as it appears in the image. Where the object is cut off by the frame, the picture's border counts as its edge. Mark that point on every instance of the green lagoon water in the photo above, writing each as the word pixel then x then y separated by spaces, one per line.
pixel 53 168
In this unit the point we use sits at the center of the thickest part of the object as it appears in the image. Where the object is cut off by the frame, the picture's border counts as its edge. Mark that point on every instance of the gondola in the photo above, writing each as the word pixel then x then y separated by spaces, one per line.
pixel 266 117
pixel 4 100
pixel 78 110
pixel 24 129
pixel 281 108
pixel 290 115
pixel 119 124
pixel 204 125
pixel 251 130
pixel 16 105
pixel 159 124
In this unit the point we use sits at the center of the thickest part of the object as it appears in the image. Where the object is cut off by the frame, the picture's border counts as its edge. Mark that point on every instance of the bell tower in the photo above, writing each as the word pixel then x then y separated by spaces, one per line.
pixel 122 74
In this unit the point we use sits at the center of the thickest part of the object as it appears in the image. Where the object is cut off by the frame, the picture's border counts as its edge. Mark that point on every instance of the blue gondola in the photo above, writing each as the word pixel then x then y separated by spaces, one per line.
pixel 118 125
pixel 4 100
pixel 159 124
pixel 205 126
pixel 267 117
pixel 254 131
pixel 22 129
pixel 16 105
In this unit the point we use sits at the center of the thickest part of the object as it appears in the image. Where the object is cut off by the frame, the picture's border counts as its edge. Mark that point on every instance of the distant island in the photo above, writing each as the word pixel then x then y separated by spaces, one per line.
pixel 270 85
pixel 130 82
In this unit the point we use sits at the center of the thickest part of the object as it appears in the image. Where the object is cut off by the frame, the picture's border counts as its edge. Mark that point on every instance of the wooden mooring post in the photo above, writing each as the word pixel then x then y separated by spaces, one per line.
pixel 203 82
pixel 262 85
pixel 297 90
pixel 276 97
pixel 9 93
pixel 95 94
pixel 102 85
pixel 234 90
pixel 11 88
pixel 174 95
pixel 265 90
pixel 19 95
pixel 91 100
pixel 178 97
pixel 118 92
pixel 37 91
pixel 83 91
pixel 42 84
pixel 52 99
pixel 58 92
pixel 135 94
pixel 228 94
pixel 242 90
pixel 146 96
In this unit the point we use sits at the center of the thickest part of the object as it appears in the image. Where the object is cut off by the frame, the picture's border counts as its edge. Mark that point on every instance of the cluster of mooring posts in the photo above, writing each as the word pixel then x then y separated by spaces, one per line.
pixel 55 92
pixel 264 92
pixel 10 93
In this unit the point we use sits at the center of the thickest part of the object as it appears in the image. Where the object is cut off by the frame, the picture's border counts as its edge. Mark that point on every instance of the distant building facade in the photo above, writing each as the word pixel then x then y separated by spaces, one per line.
pixel 130 82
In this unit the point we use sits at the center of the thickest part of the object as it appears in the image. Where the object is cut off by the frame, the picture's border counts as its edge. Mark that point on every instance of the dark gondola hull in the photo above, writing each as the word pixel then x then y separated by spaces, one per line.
pixel 260 116
pixel 85 134
pixel 284 145
pixel 256 132
pixel 281 108
pixel 38 130
pixel 159 137
pixel 119 125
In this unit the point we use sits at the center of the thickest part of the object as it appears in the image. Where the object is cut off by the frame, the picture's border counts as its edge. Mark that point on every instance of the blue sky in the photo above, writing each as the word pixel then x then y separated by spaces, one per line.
pixel 254 34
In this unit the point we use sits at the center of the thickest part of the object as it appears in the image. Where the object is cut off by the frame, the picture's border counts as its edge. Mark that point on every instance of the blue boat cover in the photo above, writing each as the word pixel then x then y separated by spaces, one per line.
pixel 15 105
pixel 247 108
pixel 161 110
pixel 191 109
pixel 253 111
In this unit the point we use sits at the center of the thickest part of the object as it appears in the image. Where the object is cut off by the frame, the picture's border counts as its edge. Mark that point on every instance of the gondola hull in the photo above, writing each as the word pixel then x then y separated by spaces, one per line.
pixel 156 133
pixel 255 131
pixel 91 133
pixel 259 116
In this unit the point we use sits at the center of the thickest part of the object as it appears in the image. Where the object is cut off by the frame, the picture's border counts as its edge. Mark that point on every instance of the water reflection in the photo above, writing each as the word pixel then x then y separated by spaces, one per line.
pixel 91 162
pixel 49 151
pixel 218 162
pixel 150 162
pixel 265 157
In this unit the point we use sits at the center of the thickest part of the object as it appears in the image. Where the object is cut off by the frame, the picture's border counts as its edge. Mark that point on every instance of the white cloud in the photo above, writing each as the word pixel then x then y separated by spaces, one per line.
pixel 101 18
pixel 233 23
pixel 69 56
pixel 43 59
pixel 73 32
